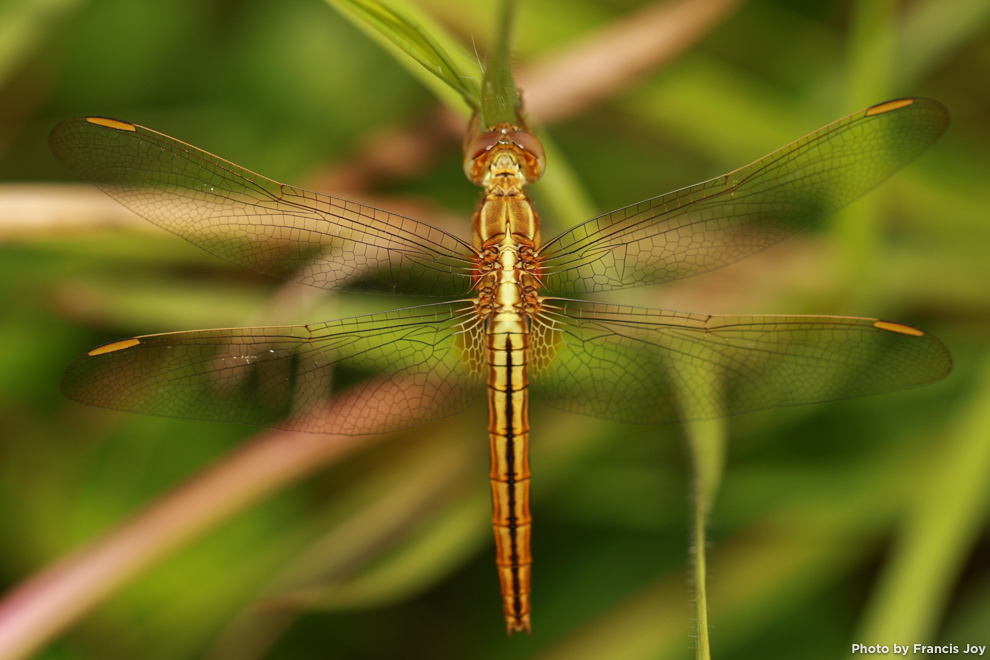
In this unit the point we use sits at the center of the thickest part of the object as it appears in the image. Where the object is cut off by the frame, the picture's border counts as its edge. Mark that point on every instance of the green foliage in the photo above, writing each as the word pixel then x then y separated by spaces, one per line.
pixel 402 34
pixel 859 521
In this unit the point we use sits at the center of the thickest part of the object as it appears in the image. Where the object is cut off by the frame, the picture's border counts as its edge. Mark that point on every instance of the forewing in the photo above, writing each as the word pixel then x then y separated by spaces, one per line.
pixel 273 228
pixel 718 222
pixel 642 365
pixel 395 369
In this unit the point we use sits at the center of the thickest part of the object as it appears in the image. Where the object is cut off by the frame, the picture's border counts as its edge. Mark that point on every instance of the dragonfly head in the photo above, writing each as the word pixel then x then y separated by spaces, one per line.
pixel 504 146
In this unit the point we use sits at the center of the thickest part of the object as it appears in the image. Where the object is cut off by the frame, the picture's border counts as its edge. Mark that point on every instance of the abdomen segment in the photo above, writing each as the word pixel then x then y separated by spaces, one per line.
pixel 508 430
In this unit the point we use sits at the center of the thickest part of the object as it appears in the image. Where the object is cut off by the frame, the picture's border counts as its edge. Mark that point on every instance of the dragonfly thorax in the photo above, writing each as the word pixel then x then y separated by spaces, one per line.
pixel 498 218
pixel 510 289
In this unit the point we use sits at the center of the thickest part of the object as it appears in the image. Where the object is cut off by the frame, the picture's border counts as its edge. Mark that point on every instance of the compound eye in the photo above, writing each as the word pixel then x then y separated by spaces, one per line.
pixel 533 149
pixel 481 145
pixel 475 152
pixel 529 143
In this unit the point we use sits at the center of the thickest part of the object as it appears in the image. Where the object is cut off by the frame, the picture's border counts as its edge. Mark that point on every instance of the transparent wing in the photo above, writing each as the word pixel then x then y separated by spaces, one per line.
pixel 395 369
pixel 264 225
pixel 712 224
pixel 642 365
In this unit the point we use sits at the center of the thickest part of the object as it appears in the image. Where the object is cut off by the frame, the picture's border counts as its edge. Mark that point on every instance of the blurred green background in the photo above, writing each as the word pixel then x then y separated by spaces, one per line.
pixel 858 521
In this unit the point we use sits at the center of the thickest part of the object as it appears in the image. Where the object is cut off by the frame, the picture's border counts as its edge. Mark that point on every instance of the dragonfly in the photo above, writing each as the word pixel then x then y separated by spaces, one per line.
pixel 507 323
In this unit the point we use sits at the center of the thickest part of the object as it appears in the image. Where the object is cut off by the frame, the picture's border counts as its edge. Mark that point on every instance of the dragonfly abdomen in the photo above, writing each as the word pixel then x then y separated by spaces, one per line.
pixel 508 429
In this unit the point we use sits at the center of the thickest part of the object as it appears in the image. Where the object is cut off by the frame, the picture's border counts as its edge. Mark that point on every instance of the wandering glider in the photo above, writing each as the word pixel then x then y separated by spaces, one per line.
pixel 505 326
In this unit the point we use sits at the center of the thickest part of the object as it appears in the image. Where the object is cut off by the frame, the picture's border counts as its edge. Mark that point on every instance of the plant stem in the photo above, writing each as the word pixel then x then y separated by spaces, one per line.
pixel 706 441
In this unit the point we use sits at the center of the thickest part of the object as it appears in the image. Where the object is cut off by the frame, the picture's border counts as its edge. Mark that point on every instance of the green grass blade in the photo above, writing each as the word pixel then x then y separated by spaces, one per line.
pixel 939 532
pixel 23 30
pixel 871 62
pixel 499 96
pixel 413 38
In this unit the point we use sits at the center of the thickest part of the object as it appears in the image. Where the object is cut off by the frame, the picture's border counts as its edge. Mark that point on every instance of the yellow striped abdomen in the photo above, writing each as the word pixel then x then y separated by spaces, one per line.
pixel 508 431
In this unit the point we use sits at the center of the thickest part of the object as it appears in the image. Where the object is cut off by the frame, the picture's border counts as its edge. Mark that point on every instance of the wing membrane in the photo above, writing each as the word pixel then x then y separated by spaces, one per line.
pixel 718 222
pixel 250 220
pixel 394 369
pixel 643 366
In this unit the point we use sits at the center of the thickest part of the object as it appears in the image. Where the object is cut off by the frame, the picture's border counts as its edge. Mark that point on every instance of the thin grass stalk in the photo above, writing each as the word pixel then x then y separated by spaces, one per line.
pixel 706 442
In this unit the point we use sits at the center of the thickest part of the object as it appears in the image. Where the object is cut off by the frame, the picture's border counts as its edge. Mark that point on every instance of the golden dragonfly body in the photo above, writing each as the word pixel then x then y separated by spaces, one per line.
pixel 506 329
pixel 506 232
